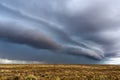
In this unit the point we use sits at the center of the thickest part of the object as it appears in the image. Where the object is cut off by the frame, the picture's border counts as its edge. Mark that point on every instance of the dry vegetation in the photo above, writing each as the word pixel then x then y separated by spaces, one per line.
pixel 59 72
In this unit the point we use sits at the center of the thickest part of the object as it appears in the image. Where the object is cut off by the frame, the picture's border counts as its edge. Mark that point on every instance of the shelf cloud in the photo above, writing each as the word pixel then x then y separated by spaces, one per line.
pixel 63 26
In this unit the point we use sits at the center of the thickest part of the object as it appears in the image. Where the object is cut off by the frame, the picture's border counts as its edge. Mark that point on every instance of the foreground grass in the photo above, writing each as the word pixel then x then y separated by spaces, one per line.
pixel 59 72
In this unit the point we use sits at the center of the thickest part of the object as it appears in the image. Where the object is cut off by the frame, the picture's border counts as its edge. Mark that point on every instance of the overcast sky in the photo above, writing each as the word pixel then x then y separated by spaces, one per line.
pixel 60 31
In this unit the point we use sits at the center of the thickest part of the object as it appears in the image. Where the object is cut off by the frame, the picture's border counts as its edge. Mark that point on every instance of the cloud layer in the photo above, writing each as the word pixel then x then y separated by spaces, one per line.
pixel 90 29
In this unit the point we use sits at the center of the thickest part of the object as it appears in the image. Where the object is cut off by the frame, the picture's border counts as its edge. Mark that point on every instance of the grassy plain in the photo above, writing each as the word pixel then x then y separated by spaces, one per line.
pixel 64 72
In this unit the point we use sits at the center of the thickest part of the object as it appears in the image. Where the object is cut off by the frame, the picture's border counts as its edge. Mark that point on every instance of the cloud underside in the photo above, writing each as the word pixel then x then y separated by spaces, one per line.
pixel 91 29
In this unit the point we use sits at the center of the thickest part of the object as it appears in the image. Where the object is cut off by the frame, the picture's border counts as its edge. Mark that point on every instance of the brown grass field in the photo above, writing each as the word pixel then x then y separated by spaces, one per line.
pixel 60 72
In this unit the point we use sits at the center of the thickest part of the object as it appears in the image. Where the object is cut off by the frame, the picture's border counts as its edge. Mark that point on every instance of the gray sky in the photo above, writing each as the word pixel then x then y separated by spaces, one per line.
pixel 60 31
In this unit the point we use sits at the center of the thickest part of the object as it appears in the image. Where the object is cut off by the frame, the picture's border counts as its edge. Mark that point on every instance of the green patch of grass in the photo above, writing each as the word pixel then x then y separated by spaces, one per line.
pixel 31 77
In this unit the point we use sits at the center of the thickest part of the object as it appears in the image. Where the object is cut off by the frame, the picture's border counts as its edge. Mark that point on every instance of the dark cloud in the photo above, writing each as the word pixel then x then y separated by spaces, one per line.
pixel 90 29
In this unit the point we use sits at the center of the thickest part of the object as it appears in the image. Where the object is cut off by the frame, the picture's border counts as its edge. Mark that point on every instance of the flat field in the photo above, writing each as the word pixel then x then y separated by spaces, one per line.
pixel 60 72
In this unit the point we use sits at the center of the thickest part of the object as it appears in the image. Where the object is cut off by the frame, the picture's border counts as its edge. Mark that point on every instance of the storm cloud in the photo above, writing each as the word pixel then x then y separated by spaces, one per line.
pixel 72 27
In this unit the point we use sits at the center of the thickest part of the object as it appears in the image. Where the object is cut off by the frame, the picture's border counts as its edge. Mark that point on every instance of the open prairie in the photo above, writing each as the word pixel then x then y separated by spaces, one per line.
pixel 60 72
